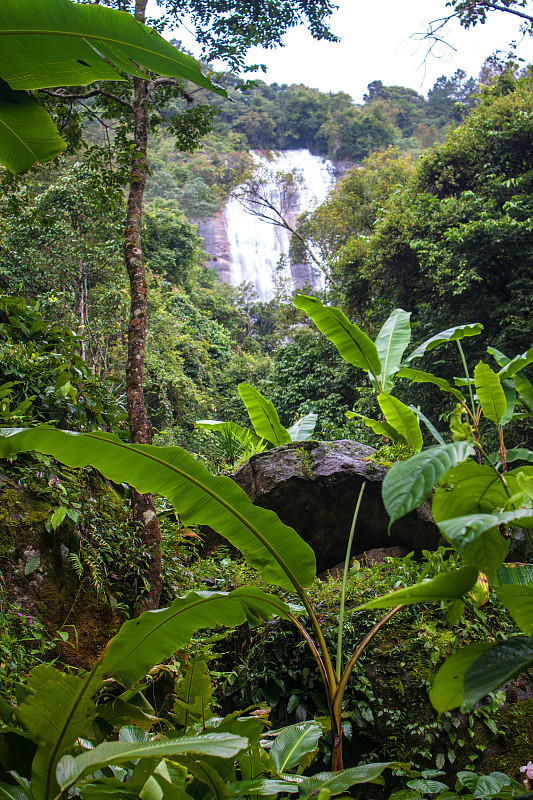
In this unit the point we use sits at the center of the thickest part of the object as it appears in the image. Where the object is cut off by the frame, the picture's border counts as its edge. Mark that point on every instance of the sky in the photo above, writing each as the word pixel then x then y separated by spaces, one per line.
pixel 378 42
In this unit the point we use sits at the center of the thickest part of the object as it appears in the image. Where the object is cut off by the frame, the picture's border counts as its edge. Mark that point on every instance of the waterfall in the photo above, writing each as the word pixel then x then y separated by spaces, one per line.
pixel 258 250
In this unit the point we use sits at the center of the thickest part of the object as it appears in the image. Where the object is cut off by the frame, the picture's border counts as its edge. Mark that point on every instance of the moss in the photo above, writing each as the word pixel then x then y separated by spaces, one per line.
pixel 515 721
pixel 16 506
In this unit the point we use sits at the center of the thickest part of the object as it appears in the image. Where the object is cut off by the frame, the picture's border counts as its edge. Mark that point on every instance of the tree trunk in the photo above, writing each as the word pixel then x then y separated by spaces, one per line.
pixel 141 431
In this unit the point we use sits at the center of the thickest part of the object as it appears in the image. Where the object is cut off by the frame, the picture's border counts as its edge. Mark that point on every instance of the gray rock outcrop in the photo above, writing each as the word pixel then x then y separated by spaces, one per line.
pixel 313 487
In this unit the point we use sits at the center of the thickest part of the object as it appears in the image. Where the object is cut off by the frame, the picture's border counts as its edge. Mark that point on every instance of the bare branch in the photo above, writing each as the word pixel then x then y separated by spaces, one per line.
pixel 61 94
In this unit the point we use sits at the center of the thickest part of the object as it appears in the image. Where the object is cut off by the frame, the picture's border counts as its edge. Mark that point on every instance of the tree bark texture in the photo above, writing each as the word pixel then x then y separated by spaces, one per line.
pixel 141 431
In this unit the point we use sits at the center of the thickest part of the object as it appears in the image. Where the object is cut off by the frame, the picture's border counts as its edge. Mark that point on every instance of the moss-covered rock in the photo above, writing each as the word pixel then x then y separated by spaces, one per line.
pixel 39 578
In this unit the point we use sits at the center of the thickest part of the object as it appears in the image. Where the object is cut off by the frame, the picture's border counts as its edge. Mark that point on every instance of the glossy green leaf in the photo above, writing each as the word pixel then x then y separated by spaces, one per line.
pixel 193 694
pixel 293 743
pixel 70 769
pixel 515 575
pixel 518 600
pixel 525 482
pixel 56 43
pixel 303 429
pixel 510 398
pixel 155 635
pixel 391 343
pixel 8 792
pixel 445 586
pixel 46 43
pixel 516 364
pixel 408 483
pixel 54 714
pixel 263 416
pixel 419 376
pixel 205 772
pixel 337 782
pixel 448 684
pixel 523 387
pixel 262 786
pixel 490 392
pixel 273 548
pixel 402 419
pixel 429 425
pixel 378 426
pixel 498 664
pixel 471 488
pixel 353 345
pixel 481 786
pixel 477 539
pixel 449 335
pixel 427 786
pixel 27 133
pixel 519 454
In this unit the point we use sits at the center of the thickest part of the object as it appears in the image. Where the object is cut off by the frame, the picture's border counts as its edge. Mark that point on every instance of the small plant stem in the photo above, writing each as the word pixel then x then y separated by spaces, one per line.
pixel 323 674
pixel 345 580
pixel 490 463
pixel 467 374
pixel 345 677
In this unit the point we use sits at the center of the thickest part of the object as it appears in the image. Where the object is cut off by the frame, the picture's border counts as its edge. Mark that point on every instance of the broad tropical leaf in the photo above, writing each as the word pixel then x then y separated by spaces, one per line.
pixel 391 343
pixel 419 376
pixel 262 786
pixel 515 575
pixel 263 416
pixel 446 586
pixel 303 429
pixel 516 364
pixel 518 600
pixel 490 393
pixel 58 708
pixel 205 773
pixel 484 785
pixel 429 425
pixel 379 427
pixel 200 498
pixel 193 695
pixel 354 346
pixel 471 488
pixel 58 42
pixel 408 483
pixel 402 419
pixel 48 43
pixel 293 743
pixel 70 769
pixel 523 387
pixel 448 684
pixel 27 133
pixel 478 540
pixel 449 335
pixel 498 664
pixel 519 454
pixel 155 635
pixel 337 782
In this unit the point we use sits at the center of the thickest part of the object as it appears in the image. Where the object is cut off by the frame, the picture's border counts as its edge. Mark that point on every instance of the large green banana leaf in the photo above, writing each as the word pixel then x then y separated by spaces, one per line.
pixel 46 43
pixel 155 635
pixel 391 343
pixel 273 548
pixel 353 345
pixel 263 416
pixel 27 133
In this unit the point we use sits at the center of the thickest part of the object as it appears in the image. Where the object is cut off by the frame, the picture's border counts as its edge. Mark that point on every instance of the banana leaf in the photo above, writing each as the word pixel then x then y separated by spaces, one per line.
pixel 47 43
pixel 273 548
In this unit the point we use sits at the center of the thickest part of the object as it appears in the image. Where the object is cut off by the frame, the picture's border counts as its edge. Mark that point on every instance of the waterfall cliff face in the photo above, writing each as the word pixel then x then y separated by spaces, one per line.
pixel 245 247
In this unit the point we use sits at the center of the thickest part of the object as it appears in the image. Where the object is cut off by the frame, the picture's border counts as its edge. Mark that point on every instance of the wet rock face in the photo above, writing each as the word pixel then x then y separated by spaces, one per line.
pixel 313 487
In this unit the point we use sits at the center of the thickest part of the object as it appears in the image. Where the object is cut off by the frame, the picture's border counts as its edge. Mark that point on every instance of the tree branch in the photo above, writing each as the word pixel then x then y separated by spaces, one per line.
pixel 62 95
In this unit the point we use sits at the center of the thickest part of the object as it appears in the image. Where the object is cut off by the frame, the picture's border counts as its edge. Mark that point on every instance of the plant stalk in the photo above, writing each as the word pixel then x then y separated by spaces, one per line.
pixel 344 581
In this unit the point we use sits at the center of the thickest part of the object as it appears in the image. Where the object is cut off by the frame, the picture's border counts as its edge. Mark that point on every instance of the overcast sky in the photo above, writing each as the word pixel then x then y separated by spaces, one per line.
pixel 378 42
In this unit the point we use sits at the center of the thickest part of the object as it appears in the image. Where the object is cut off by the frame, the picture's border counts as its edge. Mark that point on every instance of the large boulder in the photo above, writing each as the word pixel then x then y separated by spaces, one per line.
pixel 313 487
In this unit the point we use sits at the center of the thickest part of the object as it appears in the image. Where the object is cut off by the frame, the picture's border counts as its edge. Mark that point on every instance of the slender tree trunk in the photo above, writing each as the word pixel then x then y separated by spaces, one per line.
pixel 141 431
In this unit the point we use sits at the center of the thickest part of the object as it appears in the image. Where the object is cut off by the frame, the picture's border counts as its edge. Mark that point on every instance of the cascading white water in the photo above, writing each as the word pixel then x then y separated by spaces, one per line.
pixel 258 249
